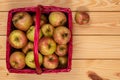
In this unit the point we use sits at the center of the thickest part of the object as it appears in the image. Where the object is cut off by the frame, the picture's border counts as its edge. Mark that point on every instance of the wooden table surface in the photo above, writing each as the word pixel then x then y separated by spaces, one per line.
pixel 96 46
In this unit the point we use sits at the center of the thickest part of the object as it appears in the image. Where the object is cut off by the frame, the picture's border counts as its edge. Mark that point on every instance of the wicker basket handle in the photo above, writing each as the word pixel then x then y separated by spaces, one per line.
pixel 37 25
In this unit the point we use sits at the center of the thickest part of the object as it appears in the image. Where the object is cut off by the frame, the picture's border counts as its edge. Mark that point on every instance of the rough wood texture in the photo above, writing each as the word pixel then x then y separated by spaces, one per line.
pixel 2 47
pixel 3 23
pixel 75 5
pixel 103 47
pixel 106 69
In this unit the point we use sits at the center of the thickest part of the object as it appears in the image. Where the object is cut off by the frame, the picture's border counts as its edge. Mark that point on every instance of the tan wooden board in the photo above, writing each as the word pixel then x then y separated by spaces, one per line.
pixel 2 47
pixel 75 5
pixel 103 47
pixel 101 23
pixel 3 23
pixel 106 69
pixel 86 47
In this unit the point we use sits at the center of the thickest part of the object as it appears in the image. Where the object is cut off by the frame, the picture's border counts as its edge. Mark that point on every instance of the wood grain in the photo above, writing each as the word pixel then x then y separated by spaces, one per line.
pixel 101 23
pixel 2 47
pixel 108 69
pixel 86 47
pixel 75 5
pixel 3 23
pixel 96 47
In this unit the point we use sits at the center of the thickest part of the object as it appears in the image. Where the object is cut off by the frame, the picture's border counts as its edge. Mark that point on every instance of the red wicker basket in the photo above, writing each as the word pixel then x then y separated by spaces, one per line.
pixel 38 10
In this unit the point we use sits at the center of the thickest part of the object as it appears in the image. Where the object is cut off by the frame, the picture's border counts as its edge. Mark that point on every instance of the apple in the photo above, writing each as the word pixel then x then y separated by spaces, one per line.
pixel 46 46
pixel 17 39
pixel 57 18
pixel 47 30
pixel 82 18
pixel 62 35
pixel 28 47
pixel 30 33
pixel 17 60
pixel 43 19
pixel 22 20
pixel 61 50
pixel 29 59
pixel 50 61
pixel 63 61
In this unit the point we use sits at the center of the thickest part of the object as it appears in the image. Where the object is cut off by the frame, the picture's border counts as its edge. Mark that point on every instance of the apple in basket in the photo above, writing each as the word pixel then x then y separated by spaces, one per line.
pixel 43 19
pixel 63 61
pixel 47 46
pixel 47 30
pixel 30 33
pixel 57 18
pixel 50 61
pixel 17 60
pixel 17 39
pixel 61 49
pixel 62 35
pixel 28 47
pixel 22 20
pixel 29 59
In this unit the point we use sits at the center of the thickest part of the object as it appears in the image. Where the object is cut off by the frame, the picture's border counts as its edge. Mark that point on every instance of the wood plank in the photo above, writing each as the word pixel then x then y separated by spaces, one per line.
pixel 3 23
pixel 86 47
pixel 75 5
pixel 101 23
pixel 106 69
pixel 2 47
pixel 94 47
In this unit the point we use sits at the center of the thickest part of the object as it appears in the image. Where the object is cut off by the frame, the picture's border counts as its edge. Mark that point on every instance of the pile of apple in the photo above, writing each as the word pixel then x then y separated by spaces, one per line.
pixel 53 39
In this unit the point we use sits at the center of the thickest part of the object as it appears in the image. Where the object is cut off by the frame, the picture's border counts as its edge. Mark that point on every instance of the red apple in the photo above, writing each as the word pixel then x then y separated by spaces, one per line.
pixel 28 47
pixel 62 35
pixel 43 19
pixel 47 46
pixel 17 39
pixel 17 60
pixel 47 30
pixel 63 61
pixel 57 18
pixel 22 20
pixel 61 50
pixel 81 17
pixel 50 61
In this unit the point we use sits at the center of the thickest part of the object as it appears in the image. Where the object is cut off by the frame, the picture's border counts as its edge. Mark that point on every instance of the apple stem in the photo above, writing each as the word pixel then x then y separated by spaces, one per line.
pixel 32 61
pixel 64 35
pixel 20 16
pixel 50 59
pixel 62 48
pixel 14 21
pixel 49 46
pixel 14 64
pixel 48 30
pixel 16 39
pixel 62 21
